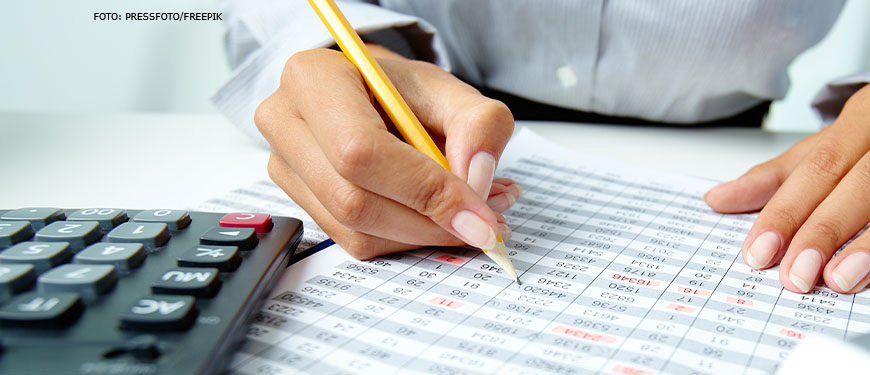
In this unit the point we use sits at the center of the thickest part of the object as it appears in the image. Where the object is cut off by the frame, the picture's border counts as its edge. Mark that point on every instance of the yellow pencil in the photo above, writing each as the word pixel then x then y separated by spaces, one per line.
pixel 393 104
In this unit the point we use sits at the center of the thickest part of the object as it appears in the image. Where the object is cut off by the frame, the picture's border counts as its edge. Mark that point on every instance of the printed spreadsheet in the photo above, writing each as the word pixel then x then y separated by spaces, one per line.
pixel 624 271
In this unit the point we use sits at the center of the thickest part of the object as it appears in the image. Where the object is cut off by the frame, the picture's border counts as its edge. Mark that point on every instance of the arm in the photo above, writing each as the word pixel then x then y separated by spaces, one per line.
pixel 262 35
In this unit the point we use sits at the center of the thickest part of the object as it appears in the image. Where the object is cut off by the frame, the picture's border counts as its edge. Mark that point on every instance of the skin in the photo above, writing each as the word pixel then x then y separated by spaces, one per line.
pixel 348 168
pixel 374 194
pixel 813 197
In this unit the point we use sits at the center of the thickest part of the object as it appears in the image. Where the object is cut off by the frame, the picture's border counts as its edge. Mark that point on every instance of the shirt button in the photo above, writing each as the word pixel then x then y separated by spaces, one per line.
pixel 567 77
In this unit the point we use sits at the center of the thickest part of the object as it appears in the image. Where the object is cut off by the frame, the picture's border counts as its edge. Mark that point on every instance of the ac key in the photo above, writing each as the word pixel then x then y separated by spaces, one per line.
pixel 160 312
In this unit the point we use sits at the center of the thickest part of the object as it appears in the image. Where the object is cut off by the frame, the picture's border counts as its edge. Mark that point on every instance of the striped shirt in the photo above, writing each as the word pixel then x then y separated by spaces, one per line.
pixel 678 61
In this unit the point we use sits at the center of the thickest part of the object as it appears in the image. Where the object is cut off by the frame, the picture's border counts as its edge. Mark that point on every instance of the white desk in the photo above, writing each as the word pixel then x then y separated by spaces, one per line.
pixel 152 160
pixel 162 160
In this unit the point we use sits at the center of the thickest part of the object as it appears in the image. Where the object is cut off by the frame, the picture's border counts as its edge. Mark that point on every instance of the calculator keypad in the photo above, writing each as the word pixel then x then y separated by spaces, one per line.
pixel 243 238
pixel 15 278
pixel 36 309
pixel 124 256
pixel 42 255
pixel 261 223
pixel 160 312
pixel 37 216
pixel 174 219
pixel 199 282
pixel 12 232
pixel 78 234
pixel 224 258
pixel 150 235
pixel 107 217
pixel 86 280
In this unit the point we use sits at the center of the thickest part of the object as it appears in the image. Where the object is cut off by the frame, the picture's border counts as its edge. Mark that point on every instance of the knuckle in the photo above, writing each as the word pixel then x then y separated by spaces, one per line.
pixel 826 161
pixel 302 66
pixel 351 207
pixel 828 230
pixel 264 114
pixel 302 61
pixel 353 155
pixel 362 246
pixel 434 196
pixel 492 111
pixel 783 215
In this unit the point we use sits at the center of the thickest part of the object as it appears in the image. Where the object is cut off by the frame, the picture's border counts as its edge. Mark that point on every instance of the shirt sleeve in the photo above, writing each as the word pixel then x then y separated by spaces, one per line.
pixel 261 35
pixel 830 99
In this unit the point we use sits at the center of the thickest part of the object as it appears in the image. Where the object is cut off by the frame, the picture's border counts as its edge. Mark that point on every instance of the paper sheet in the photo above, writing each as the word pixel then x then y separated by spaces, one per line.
pixel 625 271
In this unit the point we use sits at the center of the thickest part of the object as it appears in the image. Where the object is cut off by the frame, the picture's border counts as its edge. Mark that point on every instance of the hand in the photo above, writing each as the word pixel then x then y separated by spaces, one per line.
pixel 816 196
pixel 336 154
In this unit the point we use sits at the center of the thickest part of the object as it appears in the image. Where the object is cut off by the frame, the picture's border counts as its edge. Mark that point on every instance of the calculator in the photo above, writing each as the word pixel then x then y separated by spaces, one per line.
pixel 115 291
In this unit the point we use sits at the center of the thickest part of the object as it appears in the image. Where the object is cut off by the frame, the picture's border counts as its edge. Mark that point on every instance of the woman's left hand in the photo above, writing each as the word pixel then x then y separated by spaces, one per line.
pixel 815 197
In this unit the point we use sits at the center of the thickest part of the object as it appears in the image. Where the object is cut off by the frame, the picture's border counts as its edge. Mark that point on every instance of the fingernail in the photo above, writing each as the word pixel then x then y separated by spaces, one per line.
pixel 517 190
pixel 501 202
pixel 762 250
pixel 505 232
pixel 480 172
pixel 805 269
pixel 851 270
pixel 473 230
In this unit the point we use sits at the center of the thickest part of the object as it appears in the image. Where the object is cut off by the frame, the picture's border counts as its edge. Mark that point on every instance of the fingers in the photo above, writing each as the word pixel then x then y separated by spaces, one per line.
pixel 811 181
pixel 353 207
pixel 849 271
pixel 842 214
pixel 357 244
pixel 503 195
pixel 754 189
pixel 475 128
pixel 358 146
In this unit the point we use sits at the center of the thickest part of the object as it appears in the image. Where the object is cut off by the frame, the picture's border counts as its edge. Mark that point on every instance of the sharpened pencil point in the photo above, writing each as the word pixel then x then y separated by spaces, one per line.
pixel 520 283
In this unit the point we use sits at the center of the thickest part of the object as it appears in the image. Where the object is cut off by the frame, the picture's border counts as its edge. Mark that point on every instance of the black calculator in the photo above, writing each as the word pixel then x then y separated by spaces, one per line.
pixel 115 291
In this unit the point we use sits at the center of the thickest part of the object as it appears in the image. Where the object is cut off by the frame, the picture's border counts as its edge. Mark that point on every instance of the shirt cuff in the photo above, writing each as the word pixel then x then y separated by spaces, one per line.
pixel 830 100
pixel 259 74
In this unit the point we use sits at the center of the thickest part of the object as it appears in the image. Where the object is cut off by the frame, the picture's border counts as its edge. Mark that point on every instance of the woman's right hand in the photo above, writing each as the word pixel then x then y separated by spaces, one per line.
pixel 339 157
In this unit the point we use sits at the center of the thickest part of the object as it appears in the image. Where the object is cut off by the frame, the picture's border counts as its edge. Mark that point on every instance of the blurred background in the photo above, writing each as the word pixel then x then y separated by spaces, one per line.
pixel 54 57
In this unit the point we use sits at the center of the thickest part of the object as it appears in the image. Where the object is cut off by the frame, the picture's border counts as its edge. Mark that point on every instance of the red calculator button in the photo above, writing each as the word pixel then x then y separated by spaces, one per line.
pixel 261 223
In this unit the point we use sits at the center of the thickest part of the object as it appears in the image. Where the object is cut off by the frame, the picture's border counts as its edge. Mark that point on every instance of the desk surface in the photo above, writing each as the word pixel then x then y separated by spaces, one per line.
pixel 162 160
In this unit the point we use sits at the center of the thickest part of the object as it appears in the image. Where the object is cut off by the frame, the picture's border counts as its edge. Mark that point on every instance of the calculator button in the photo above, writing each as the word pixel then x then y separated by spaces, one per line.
pixel 37 216
pixel 243 238
pixel 12 232
pixel 124 256
pixel 174 219
pixel 199 282
pixel 86 280
pixel 78 234
pixel 41 310
pixel 261 223
pixel 41 255
pixel 15 278
pixel 224 258
pixel 151 235
pixel 161 313
pixel 107 217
